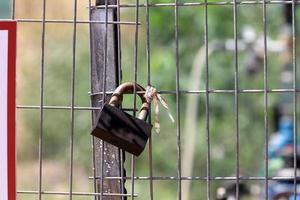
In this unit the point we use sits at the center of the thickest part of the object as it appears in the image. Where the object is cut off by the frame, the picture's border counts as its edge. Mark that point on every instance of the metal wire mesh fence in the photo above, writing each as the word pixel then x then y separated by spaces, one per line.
pixel 59 103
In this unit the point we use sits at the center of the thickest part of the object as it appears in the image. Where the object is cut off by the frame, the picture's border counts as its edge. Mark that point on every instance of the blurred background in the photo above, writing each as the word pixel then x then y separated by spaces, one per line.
pixel 221 61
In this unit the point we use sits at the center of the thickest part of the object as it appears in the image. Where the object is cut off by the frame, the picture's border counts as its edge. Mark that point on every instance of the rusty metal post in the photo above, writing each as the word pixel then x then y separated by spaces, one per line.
pixel 104 45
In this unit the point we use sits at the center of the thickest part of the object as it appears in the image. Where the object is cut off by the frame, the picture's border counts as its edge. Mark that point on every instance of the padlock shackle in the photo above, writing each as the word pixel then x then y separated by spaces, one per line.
pixel 128 87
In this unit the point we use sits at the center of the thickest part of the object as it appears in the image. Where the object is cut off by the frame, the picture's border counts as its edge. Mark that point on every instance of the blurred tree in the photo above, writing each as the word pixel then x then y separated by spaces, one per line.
pixel 4 9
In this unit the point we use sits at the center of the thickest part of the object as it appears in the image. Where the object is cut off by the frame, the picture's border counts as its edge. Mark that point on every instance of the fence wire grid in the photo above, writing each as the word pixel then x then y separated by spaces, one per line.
pixel 137 22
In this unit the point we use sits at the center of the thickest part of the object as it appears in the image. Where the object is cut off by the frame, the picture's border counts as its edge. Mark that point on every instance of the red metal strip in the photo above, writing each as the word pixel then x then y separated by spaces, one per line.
pixel 11 103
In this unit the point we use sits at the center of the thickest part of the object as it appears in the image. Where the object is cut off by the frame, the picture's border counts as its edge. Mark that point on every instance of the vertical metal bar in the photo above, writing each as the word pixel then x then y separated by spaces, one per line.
pixel 122 173
pixel 121 152
pixel 135 94
pixel 136 35
pixel 294 95
pixel 107 157
pixel 149 83
pixel 208 184
pixel 103 96
pixel 92 137
pixel 13 9
pixel 119 42
pixel 177 100
pixel 42 102
pixel 73 100
pixel 236 98
pixel 132 175
pixel 105 52
pixel 266 123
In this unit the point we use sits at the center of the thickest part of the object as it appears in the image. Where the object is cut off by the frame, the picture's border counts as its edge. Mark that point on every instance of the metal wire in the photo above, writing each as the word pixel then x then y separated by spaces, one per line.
pixel 136 38
pixel 208 162
pixel 104 95
pixel 294 60
pixel 72 21
pixel 148 56
pixel 176 10
pixel 193 4
pixel 204 178
pixel 73 101
pixel 92 137
pixel 266 120
pixel 13 10
pixel 121 151
pixel 42 102
pixel 222 91
pixel 73 193
pixel 236 99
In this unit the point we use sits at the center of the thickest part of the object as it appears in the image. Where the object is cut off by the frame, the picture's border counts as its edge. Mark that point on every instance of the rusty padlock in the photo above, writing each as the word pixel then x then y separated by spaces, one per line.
pixel 118 127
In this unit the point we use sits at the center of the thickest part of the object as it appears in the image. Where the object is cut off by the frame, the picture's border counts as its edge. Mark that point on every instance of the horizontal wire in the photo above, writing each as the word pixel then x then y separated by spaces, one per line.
pixel 64 107
pixel 200 178
pixel 161 92
pixel 193 4
pixel 73 193
pixel 211 91
pixel 77 21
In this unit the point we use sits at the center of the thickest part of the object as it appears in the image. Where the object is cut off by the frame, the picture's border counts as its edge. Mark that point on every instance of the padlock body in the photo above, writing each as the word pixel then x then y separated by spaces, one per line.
pixel 122 130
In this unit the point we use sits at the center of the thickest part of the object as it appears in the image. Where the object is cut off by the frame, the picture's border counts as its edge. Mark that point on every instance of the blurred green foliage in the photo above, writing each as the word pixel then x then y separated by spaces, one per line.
pixel 4 9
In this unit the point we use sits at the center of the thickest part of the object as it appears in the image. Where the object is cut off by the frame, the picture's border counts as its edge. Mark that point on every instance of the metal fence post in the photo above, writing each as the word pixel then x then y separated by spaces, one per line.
pixel 108 160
